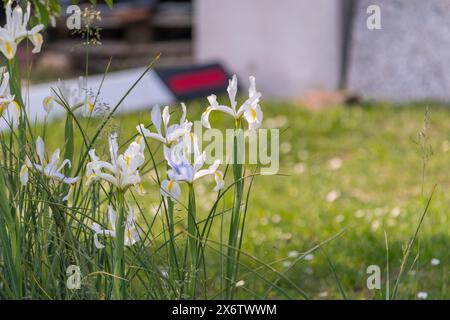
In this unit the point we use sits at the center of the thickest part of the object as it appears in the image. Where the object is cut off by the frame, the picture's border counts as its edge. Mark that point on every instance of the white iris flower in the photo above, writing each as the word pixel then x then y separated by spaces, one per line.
pixel 122 171
pixel 51 169
pixel 131 234
pixel 15 30
pixel 171 133
pixel 6 99
pixel 181 170
pixel 250 110
pixel 66 96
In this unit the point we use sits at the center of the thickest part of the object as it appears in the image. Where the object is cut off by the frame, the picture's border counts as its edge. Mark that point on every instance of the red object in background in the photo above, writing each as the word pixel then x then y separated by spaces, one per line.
pixel 197 80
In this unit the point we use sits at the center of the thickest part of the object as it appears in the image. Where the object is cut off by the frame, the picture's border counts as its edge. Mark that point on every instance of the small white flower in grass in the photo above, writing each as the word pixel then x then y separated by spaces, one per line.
pixel 240 283
pixel 69 97
pixel 287 264
pixel 293 254
pixel 333 196
pixel 395 212
pixel 15 30
pixel 169 134
pixel 309 257
pixel 323 294
pixel 276 218
pixel 335 163
pixel 51 169
pixel 6 99
pixel 360 213
pixel 285 236
pixel 435 262
pixel 123 170
pixel 375 225
pixel 181 169
pixel 285 147
pixel 299 168
pixel 131 234
pixel 250 110
pixel 422 295
pixel 165 273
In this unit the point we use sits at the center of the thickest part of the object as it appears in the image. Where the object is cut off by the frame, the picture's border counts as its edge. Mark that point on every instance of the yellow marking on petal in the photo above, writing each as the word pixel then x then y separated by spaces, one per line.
pixel 9 50
pixel 129 235
pixel 253 111
pixel 170 186
pixel 207 111
pixel 2 108
pixel 139 139
pixel 24 170
pixel 37 38
pixel 127 160
pixel 90 177
pixel 218 175
pixel 47 101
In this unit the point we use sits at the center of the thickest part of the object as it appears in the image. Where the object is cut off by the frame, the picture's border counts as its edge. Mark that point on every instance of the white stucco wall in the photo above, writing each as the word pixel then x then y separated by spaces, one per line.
pixel 291 46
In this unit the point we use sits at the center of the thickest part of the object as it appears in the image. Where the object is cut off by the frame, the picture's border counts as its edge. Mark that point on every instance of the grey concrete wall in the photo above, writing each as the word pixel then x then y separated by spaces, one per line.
pixel 291 46
pixel 409 58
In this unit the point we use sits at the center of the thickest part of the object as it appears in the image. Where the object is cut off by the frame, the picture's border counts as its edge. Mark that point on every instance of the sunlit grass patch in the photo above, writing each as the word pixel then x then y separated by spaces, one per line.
pixel 378 181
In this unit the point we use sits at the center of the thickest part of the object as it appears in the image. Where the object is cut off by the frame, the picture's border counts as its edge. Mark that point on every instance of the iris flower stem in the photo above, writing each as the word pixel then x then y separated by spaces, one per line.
pixel 235 215
pixel 170 206
pixel 173 259
pixel 118 258
pixel 16 245
pixel 192 239
pixel 170 222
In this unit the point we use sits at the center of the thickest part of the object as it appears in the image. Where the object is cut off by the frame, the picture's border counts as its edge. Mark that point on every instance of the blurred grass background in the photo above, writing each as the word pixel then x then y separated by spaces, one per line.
pixel 354 167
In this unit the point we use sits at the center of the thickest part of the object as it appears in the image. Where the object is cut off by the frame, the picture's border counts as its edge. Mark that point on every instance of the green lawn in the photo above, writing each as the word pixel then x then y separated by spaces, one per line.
pixel 358 168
